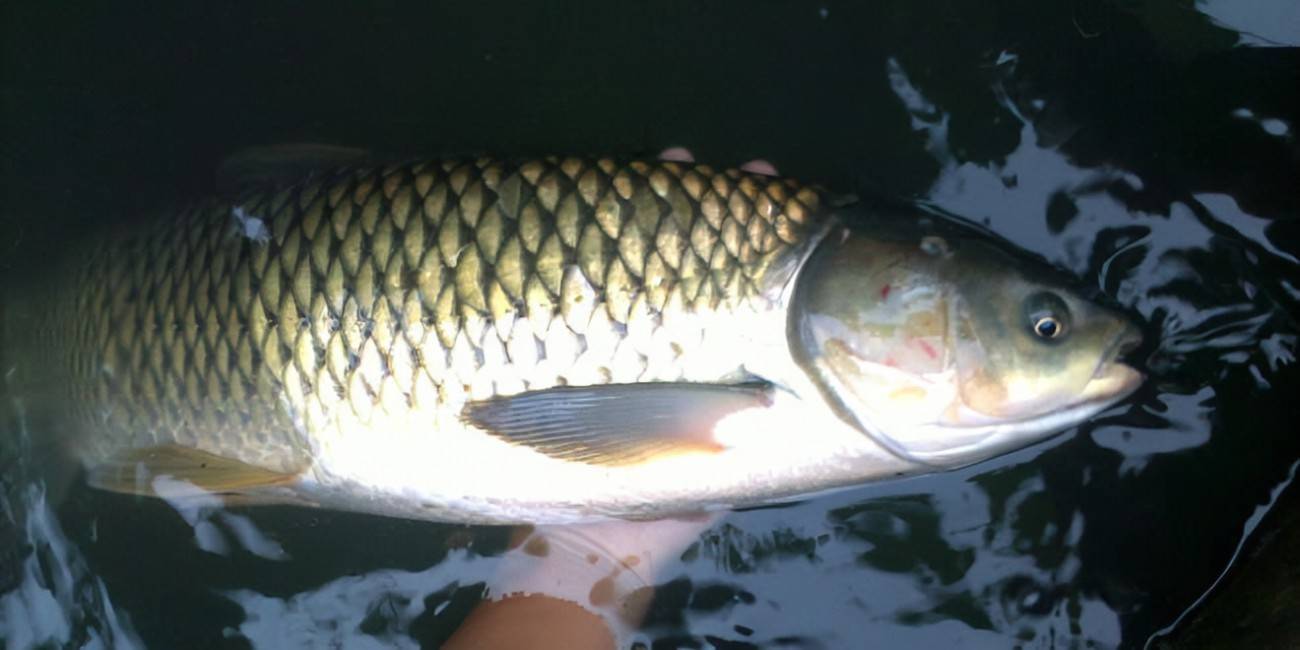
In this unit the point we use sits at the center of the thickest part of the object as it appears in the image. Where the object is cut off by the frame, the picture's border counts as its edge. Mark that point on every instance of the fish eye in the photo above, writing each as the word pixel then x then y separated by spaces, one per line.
pixel 1047 316
pixel 1047 327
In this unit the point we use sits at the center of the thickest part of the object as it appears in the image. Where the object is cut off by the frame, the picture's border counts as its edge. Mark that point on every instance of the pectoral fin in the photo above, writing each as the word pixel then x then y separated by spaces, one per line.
pixel 133 471
pixel 616 424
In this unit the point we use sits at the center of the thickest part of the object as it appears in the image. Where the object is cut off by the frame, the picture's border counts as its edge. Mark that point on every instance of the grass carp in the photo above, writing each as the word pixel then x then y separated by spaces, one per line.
pixel 546 341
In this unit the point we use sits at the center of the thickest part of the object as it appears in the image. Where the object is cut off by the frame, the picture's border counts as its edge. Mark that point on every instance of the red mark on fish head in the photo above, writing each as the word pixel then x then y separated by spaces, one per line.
pixel 929 349
pixel 884 292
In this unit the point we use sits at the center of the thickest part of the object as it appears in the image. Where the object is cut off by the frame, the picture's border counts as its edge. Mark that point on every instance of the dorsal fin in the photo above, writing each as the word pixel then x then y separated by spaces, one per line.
pixel 277 164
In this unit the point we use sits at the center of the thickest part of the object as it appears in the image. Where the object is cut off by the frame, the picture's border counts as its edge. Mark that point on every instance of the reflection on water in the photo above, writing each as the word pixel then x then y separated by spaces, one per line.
pixel 213 525
pixel 1257 24
pixel 1097 538
pixel 51 596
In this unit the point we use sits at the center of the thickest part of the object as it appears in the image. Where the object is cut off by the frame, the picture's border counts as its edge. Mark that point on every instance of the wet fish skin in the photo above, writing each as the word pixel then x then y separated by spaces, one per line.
pixel 547 341
pixel 263 328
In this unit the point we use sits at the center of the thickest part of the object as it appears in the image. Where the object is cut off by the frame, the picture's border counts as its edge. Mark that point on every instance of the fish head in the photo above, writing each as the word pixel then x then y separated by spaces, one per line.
pixel 948 350
pixel 1026 346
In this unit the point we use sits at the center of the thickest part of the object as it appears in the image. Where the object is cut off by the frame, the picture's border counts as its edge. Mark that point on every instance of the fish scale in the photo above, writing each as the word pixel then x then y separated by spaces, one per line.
pixel 257 330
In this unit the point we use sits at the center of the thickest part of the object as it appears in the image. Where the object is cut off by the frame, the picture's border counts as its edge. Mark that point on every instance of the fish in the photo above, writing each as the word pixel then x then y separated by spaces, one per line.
pixel 550 340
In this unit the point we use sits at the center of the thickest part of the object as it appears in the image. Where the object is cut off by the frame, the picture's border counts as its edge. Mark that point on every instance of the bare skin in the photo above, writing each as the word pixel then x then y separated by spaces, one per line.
pixel 577 587
pixel 531 621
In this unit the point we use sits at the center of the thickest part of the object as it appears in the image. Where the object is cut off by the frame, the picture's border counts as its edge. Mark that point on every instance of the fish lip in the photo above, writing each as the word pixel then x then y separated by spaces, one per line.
pixel 1111 367
pixel 1126 341
pixel 1133 380
pixel 1033 428
pixel 1130 379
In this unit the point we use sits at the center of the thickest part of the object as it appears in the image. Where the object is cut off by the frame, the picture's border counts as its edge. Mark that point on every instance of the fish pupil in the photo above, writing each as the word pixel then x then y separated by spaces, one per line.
pixel 1047 327
pixel 1047 316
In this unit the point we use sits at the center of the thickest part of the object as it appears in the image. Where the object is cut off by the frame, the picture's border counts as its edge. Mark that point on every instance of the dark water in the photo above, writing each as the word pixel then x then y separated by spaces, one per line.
pixel 1148 147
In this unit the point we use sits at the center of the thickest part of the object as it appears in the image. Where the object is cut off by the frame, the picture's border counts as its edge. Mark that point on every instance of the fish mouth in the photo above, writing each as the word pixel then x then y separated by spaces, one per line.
pixel 1113 379
pixel 982 436
pixel 1128 340
pixel 1112 382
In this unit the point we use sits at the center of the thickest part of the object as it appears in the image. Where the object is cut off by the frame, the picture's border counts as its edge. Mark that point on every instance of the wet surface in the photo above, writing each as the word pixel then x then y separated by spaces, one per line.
pixel 1149 149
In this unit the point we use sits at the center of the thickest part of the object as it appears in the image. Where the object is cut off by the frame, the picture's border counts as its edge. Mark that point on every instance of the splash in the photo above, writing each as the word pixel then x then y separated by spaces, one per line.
pixel 56 601
pixel 205 513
